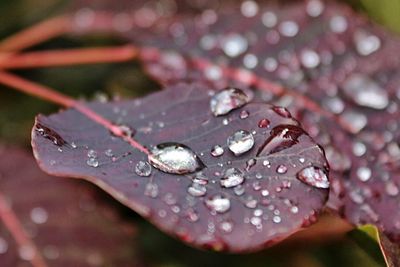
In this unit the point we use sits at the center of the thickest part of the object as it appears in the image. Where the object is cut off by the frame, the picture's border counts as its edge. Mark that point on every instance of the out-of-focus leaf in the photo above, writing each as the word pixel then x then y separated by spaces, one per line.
pixel 385 12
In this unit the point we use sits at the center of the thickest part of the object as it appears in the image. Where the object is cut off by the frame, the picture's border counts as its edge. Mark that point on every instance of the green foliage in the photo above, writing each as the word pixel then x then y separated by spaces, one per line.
pixel 386 12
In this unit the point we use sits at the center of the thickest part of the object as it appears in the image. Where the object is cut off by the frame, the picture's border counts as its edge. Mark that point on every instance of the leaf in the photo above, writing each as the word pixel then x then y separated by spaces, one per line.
pixel 372 240
pixel 71 223
pixel 340 75
pixel 256 204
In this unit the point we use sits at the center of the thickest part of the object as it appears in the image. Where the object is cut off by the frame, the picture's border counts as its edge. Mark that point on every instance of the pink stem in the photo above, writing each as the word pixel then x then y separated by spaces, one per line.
pixel 50 95
pixel 67 57
pixel 12 223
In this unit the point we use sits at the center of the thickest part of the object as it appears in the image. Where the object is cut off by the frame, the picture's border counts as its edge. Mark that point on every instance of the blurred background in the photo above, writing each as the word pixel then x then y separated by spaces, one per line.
pixel 17 112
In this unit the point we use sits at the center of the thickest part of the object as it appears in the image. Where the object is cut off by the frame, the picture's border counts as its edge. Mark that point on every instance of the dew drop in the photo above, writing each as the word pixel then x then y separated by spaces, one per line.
pixel 217 151
pixel 175 158
pixel 218 204
pixel 282 169
pixel 314 8
pixel 289 28
pixel 240 142
pixel 338 24
pixel 197 190
pixel 310 59
pixel 249 8
pixel 269 19
pixel 227 100
pixel 357 121
pixel 313 176
pixel 364 173
pixel 226 226
pixel 234 45
pixel 143 169
pixel 264 123
pixel 39 215
pixel 244 114
pixel 366 43
pixel 239 190
pixel 151 190
pixel 232 178
pixel 92 162
pixel 250 163
pixel 366 92
pixel 391 189
pixel 276 219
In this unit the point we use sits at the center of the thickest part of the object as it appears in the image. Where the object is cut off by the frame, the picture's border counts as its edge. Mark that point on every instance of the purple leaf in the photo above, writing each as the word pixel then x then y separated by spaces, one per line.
pixel 207 184
pixel 69 222
pixel 342 75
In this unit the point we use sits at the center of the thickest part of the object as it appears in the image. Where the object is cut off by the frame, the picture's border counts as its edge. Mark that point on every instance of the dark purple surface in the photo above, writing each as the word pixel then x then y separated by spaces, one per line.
pixel 70 222
pixel 181 114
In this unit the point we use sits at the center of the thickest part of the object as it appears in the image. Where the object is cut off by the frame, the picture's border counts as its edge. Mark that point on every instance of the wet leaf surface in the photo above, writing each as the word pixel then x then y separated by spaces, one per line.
pixel 221 201
pixel 70 222
pixel 337 59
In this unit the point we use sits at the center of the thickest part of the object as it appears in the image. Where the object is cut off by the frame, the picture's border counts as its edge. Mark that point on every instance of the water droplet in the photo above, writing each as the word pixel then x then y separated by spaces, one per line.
pixel 249 8
pixel 391 189
pixel 359 149
pixel 281 137
pixel 227 100
pixel 151 190
pixel 366 92
pixel 127 131
pixel 366 43
pixel 281 169
pixel 232 177
pixel 217 151
pixel 92 162
pixel 26 252
pixel 309 59
pixel 200 179
pixel 314 8
pixel 269 19
pixel 294 209
pixel 239 190
pixel 175 158
pixel 240 142
pixel 364 173
pixel 197 190
pixel 143 169
pixel 109 153
pixel 270 64
pixel 250 163
pixel 39 215
pixel 218 204
pixel 244 114
pixel 264 123
pixel 356 121
pixel 250 61
pixel 276 219
pixel 255 221
pixel 313 176
pixel 234 45
pixel 49 134
pixel 289 28
pixel 226 226
pixel 251 203
pixel 338 24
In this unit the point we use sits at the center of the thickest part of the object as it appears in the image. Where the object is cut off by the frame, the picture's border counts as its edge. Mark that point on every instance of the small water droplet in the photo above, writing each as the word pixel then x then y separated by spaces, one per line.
pixel 357 121
pixel 227 100
pixel 226 226
pixel 240 142
pixel 313 176
pixel 289 28
pixel 269 19
pixel 391 189
pixel 175 158
pixel 314 8
pixel 197 190
pixel 250 163
pixel 249 8
pixel 109 153
pixel 92 162
pixel 218 203
pixel 364 173
pixel 294 209
pixel 39 215
pixel 151 190
pixel 234 44
pixel 338 24
pixel 251 203
pixel 276 219
pixel 281 169
pixel 239 190
pixel 264 192
pixel 366 43
pixel 310 59
pixel 217 151
pixel 264 123
pixel 244 114
pixel 232 177
pixel 143 169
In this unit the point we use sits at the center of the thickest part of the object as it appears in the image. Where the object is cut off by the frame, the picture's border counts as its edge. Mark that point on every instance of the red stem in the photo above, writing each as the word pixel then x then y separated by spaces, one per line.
pixel 36 34
pixel 50 95
pixel 68 57
pixel 12 223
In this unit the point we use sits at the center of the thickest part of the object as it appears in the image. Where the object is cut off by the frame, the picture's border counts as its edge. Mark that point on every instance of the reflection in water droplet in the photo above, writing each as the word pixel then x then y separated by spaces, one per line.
pixel 217 151
pixel 313 176
pixel 175 158
pixel 227 100
pixel 240 142
pixel 232 177
pixel 281 137
pixel 218 204
pixel 143 169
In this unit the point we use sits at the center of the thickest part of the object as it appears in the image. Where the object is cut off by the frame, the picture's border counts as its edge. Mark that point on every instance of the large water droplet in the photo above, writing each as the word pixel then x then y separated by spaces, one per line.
pixel 240 142
pixel 143 168
pixel 227 100
pixel 366 92
pixel 313 176
pixel 232 177
pixel 218 204
pixel 175 158
pixel 281 137
pixel 234 45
